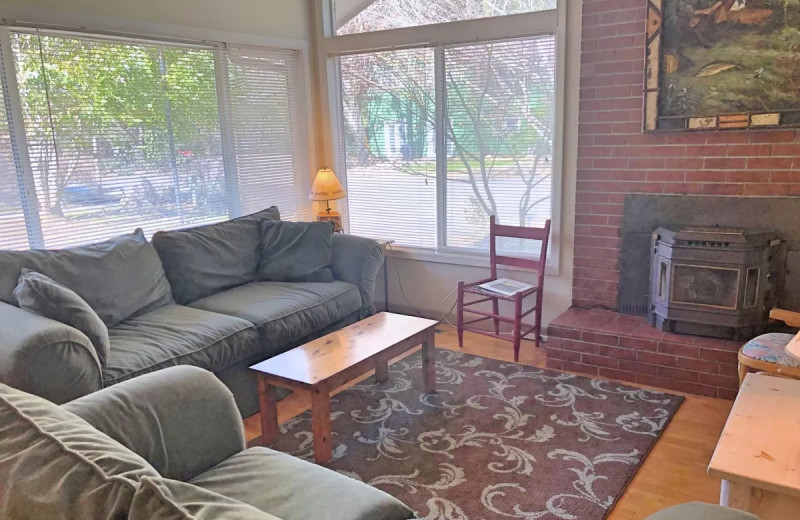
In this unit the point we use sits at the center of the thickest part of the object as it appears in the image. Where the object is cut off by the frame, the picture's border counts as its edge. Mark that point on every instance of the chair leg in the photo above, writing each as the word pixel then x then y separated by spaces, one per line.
pixel 517 326
pixel 538 318
pixel 460 314
pixel 496 311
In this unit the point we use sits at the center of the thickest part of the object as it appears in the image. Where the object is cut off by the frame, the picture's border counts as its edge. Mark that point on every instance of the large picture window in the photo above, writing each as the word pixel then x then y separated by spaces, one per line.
pixel 432 150
pixel 119 134
pixel 359 16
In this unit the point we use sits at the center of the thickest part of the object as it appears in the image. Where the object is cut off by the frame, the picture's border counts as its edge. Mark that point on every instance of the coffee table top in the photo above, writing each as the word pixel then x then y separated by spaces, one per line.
pixel 760 444
pixel 329 355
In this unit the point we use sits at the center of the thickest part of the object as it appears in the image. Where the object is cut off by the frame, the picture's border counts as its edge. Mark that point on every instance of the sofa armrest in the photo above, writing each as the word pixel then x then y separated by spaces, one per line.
pixel 182 419
pixel 357 260
pixel 45 357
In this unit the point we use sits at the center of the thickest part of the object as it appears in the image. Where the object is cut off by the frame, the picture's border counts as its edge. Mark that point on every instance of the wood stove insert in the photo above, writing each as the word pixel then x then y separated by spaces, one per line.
pixel 716 282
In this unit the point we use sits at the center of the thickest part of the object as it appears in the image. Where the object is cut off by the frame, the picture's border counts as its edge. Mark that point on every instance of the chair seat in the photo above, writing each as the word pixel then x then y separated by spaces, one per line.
pixel 476 289
pixel 770 348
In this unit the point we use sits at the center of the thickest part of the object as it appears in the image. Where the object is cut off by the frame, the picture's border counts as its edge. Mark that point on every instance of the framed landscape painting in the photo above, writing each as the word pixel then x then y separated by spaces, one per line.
pixel 722 64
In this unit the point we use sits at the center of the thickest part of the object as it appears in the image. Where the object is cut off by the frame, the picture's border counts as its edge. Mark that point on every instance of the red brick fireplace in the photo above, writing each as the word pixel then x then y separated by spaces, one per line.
pixel 615 158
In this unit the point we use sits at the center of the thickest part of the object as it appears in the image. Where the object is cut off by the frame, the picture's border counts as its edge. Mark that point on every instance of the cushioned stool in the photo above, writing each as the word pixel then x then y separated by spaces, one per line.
pixel 767 353
pixel 701 511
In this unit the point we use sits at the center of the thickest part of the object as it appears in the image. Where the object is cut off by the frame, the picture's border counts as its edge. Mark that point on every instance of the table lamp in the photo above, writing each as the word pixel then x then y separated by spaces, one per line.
pixel 326 188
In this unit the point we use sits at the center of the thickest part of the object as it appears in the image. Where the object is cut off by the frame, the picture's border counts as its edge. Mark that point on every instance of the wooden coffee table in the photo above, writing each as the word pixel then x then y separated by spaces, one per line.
pixel 758 454
pixel 323 365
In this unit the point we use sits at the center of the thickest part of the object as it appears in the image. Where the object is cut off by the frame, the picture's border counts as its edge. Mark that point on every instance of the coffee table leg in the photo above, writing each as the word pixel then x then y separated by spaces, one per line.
pixel 269 412
pixel 429 361
pixel 321 424
pixel 382 371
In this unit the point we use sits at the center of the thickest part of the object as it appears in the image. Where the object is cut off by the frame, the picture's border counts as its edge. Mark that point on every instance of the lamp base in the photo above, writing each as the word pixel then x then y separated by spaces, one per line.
pixel 331 216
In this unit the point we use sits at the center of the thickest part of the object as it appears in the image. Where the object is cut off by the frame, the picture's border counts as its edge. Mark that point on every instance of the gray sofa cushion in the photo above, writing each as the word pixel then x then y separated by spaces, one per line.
pixel 270 481
pixel 296 252
pixel 285 312
pixel 54 465
pixel 165 499
pixel 205 260
pixel 177 335
pixel 118 278
pixel 42 295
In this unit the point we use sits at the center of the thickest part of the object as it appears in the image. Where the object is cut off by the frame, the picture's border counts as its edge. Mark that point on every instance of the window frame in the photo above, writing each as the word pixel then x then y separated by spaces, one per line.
pixel 330 47
pixel 30 21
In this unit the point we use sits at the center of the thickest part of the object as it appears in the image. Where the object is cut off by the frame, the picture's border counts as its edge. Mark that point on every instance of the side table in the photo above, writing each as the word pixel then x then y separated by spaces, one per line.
pixel 758 452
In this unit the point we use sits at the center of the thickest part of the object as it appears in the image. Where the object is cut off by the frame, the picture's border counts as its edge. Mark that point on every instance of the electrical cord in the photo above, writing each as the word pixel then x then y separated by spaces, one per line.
pixel 413 308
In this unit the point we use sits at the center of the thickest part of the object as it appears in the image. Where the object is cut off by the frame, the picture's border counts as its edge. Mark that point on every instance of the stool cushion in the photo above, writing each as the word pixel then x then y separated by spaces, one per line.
pixel 701 511
pixel 770 348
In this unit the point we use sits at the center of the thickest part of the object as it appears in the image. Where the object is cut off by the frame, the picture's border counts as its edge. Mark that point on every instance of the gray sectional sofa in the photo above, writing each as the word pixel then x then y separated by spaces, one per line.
pixel 165 446
pixel 191 297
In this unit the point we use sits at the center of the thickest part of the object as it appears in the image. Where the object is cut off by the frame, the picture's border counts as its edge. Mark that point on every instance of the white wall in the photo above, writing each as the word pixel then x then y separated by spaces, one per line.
pixel 266 18
pixel 427 284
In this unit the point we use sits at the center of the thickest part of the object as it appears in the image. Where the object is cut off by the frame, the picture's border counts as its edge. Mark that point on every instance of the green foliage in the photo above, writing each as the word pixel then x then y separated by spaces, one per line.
pixel 112 103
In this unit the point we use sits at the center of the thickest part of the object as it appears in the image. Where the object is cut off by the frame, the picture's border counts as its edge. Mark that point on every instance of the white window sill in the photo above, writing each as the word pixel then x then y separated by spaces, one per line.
pixel 468 259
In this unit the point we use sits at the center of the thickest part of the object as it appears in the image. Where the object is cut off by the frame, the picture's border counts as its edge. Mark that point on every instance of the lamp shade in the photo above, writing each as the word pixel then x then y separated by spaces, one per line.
pixel 326 186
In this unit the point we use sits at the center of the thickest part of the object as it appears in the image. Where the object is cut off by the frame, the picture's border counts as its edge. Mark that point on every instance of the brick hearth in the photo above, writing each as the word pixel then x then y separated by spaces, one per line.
pixel 608 344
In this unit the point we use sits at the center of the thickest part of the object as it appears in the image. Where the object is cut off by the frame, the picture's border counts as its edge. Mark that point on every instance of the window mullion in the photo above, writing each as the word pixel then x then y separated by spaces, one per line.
pixel 440 130
pixel 226 133
pixel 19 143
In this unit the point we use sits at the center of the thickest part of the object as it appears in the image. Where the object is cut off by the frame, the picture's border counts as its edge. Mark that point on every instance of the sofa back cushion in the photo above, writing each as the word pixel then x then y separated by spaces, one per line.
pixel 296 252
pixel 209 259
pixel 54 465
pixel 44 296
pixel 118 278
pixel 165 499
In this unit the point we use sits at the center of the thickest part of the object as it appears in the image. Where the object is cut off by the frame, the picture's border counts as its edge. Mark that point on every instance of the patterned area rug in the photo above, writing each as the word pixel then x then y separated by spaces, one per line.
pixel 499 440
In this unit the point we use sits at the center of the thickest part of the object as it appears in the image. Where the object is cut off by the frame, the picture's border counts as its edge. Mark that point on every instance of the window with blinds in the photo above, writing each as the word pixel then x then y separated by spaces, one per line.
pixel 432 151
pixel 499 118
pixel 123 134
pixel 390 152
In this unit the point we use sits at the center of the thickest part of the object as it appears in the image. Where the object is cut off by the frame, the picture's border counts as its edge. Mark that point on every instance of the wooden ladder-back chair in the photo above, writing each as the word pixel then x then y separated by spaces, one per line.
pixel 495 231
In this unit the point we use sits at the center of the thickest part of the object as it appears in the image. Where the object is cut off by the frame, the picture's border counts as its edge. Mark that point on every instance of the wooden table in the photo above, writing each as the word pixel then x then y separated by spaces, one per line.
pixel 321 366
pixel 758 455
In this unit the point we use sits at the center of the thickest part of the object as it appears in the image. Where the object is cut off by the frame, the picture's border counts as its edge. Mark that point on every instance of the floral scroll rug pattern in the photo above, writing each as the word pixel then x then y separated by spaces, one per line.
pixel 498 441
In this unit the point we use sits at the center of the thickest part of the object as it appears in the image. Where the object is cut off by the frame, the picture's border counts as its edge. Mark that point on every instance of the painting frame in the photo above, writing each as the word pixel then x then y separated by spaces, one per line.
pixel 655 122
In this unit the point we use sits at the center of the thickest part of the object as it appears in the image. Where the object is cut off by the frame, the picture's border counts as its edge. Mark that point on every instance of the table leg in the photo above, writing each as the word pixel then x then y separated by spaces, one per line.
pixel 321 424
pixel 429 361
pixel 269 412
pixel 382 371
pixel 735 495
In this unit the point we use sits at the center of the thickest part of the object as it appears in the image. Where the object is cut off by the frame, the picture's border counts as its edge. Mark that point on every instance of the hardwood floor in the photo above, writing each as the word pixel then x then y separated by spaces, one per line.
pixel 674 472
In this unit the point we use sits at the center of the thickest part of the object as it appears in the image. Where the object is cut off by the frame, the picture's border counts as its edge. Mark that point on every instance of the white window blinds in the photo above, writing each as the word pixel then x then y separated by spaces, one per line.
pixel 13 229
pixel 389 146
pixel 500 109
pixel 266 118
pixel 125 134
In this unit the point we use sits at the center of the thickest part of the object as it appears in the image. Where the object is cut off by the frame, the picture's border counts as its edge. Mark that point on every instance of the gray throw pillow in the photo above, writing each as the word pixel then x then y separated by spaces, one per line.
pixel 42 295
pixel 118 278
pixel 205 260
pixel 296 251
